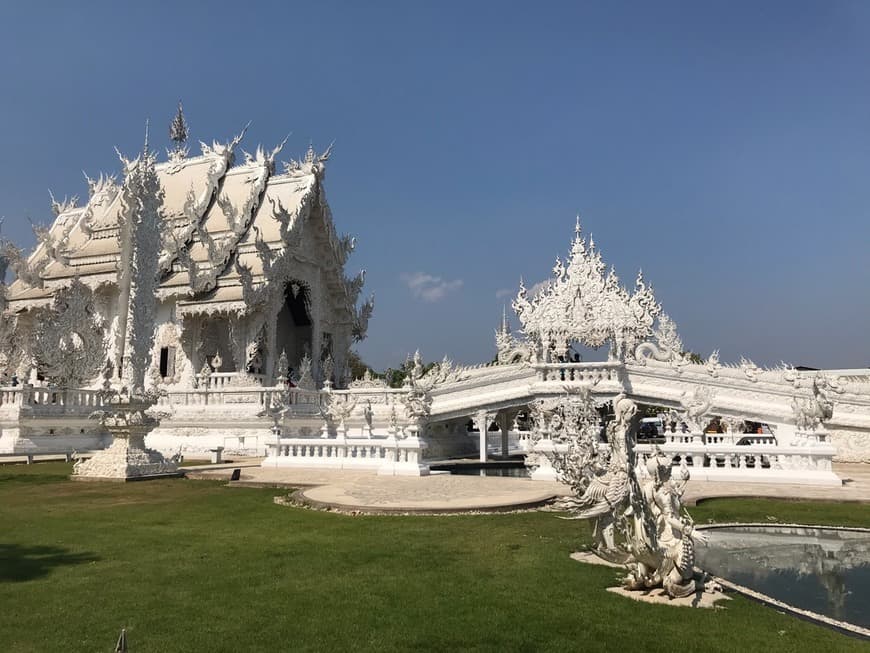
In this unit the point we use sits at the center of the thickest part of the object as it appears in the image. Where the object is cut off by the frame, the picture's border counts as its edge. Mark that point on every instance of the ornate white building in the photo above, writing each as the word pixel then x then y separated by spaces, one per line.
pixel 250 266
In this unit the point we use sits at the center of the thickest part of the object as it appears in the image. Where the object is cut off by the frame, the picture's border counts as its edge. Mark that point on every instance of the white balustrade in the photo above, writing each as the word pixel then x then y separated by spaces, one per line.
pixel 387 456
pixel 301 401
pixel 50 401
pixel 592 373
pixel 221 380
pixel 750 463
pixel 10 396
pixel 758 462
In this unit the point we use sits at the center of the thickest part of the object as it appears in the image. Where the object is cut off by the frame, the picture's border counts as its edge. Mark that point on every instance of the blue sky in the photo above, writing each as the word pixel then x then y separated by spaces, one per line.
pixel 723 147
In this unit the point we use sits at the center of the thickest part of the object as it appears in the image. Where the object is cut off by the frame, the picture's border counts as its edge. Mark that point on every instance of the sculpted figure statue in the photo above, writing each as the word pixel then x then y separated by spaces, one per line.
pixel 636 505
pixel 666 555
pixel 811 413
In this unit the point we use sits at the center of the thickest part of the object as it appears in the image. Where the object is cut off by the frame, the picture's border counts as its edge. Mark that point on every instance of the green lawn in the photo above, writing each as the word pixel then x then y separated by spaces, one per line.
pixel 196 566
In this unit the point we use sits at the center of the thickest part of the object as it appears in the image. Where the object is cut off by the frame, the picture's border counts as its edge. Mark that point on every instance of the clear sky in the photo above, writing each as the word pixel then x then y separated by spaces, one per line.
pixel 723 147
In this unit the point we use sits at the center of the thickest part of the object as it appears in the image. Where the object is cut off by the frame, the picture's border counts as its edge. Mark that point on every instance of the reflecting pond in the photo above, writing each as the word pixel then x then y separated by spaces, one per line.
pixel 513 470
pixel 823 570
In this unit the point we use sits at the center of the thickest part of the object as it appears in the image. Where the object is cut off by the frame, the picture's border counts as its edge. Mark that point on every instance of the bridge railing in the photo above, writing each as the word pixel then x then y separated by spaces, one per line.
pixel 762 463
pixel 727 462
pixel 579 372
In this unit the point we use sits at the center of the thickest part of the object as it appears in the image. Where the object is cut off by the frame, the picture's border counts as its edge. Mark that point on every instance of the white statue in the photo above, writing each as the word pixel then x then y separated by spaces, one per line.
pixel 639 519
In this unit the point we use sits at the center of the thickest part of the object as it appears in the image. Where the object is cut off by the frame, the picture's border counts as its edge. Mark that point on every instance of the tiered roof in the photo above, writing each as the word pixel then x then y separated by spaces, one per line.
pixel 230 230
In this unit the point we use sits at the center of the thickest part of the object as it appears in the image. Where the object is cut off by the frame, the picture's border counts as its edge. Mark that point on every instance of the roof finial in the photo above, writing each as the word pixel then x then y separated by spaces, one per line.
pixel 577 225
pixel 178 128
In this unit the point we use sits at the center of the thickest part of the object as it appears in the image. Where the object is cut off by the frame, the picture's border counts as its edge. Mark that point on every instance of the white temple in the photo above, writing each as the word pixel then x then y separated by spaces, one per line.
pixel 251 284
pixel 251 266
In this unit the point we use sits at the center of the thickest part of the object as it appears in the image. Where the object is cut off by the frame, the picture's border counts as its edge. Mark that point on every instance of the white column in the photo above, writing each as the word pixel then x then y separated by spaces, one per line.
pixel 505 423
pixel 481 423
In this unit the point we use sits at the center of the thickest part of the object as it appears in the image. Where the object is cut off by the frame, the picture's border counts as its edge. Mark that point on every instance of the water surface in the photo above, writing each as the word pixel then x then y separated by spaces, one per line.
pixel 826 571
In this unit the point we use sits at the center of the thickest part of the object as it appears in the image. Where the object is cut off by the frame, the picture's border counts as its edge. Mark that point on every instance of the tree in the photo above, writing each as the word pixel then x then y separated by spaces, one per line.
pixel 356 366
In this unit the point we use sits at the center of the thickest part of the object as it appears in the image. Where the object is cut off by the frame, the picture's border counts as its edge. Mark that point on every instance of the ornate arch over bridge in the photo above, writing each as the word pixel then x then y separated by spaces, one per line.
pixel 586 303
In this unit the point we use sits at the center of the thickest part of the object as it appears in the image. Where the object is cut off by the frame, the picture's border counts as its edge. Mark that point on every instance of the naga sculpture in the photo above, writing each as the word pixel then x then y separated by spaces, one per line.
pixel 811 413
pixel 636 505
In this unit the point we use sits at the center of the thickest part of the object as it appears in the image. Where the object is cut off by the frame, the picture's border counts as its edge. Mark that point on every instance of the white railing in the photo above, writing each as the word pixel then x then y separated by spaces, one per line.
pixel 731 438
pixel 516 442
pixel 579 372
pixel 304 400
pixel 751 463
pixel 221 380
pixel 9 397
pixel 385 396
pixel 385 455
pixel 688 437
pixel 50 400
pixel 725 462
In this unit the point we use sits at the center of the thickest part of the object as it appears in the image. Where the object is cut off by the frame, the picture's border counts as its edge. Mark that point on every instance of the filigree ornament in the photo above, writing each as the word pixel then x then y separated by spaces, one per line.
pixel 368 380
pixel 509 349
pixel 140 223
pixel 305 379
pixel 750 370
pixel 584 303
pixel 68 344
pixel 335 410
pixel 811 413
pixel 713 365
pixel 696 408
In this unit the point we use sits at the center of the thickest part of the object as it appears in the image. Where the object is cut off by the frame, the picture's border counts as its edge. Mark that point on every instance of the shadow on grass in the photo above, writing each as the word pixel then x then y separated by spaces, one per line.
pixel 22 563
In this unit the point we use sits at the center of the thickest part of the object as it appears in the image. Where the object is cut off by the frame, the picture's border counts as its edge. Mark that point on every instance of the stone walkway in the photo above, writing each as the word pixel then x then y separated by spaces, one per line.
pixel 445 493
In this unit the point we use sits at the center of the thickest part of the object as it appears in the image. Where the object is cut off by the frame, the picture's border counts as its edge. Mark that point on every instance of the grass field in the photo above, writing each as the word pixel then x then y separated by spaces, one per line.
pixel 197 566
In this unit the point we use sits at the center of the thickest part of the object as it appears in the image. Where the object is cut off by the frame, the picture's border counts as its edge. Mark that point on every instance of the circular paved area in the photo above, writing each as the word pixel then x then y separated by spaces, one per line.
pixel 434 493
pixel 368 491
pixel 445 493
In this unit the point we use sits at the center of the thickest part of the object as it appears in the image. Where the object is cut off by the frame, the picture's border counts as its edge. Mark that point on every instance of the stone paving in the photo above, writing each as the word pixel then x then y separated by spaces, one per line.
pixel 368 491
pixel 443 492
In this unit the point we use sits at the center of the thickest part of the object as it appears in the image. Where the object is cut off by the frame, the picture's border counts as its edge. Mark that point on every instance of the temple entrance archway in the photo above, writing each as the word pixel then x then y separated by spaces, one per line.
pixel 295 326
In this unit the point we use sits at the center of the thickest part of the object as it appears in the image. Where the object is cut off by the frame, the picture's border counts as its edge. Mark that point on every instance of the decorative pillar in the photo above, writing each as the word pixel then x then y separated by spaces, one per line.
pixel 481 422
pixel 504 421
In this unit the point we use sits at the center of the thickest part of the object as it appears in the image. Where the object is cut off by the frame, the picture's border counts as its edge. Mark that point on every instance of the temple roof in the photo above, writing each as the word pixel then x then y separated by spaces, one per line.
pixel 227 228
